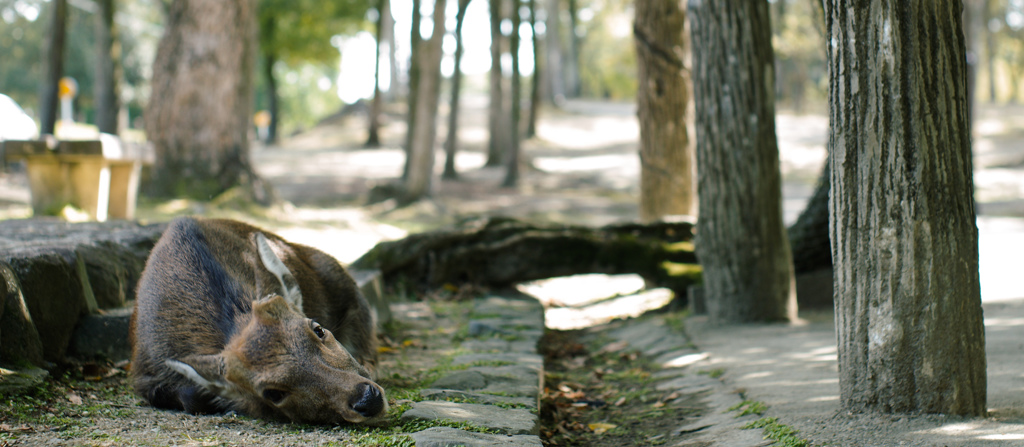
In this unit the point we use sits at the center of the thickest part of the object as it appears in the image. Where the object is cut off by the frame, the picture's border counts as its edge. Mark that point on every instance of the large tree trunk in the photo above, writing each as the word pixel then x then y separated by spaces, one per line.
pixel 512 169
pixel 553 44
pixel 107 70
pixel 373 138
pixel 531 121
pixel 663 108
pixel 452 142
pixel 497 119
pixel 201 100
pixel 48 96
pixel 741 240
pixel 420 164
pixel 904 239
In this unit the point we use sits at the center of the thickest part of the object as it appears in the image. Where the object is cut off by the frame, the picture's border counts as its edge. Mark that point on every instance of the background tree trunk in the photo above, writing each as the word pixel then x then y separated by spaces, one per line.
pixel 808 236
pixel 415 43
pixel 107 69
pixel 420 164
pixel 990 52
pixel 741 240
pixel 531 121
pixel 553 45
pixel 452 142
pixel 572 63
pixel 497 119
pixel 201 100
pixel 904 238
pixel 373 138
pixel 663 108
pixel 273 99
pixel 512 171
pixel 48 96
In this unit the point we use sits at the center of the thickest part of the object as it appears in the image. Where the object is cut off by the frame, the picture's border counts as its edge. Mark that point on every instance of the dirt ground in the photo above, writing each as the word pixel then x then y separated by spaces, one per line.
pixel 583 170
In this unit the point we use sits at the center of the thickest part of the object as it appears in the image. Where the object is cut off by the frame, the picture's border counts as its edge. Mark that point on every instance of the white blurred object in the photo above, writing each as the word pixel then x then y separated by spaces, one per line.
pixel 15 124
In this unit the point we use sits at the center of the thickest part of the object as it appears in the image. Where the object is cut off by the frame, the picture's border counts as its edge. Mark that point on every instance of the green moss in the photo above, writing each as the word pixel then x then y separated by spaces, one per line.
pixel 712 373
pixel 686 246
pixel 693 272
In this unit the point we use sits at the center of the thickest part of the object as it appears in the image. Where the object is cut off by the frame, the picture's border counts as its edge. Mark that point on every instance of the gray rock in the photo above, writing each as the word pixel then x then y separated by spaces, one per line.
pixel 692 384
pixel 478 398
pixel 20 381
pixel 53 294
pixel 103 335
pixel 62 269
pixel 450 437
pixel 19 341
pixel 495 305
pixel 495 345
pixel 507 421
pixel 512 380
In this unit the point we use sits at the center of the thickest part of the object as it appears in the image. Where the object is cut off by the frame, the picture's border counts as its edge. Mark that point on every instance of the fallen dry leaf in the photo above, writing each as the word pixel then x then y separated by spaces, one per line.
pixel 659 404
pixel 620 402
pixel 599 428
pixel 75 399
pixel 613 347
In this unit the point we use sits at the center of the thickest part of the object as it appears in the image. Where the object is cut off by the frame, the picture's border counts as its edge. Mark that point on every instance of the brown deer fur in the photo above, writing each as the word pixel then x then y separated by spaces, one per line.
pixel 219 326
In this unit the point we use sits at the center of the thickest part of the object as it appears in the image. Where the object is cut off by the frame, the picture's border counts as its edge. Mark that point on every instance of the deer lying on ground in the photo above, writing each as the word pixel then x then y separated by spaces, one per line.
pixel 231 318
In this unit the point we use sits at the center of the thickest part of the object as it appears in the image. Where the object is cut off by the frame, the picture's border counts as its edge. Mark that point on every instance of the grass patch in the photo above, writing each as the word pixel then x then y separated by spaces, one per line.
pixel 749 407
pixel 783 435
pixel 712 373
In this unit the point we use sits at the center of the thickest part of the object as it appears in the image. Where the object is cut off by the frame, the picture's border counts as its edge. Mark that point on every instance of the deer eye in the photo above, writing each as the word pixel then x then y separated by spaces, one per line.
pixel 319 331
pixel 275 396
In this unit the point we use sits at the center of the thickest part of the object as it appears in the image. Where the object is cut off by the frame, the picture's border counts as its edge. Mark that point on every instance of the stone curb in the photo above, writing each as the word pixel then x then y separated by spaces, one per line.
pixel 501 390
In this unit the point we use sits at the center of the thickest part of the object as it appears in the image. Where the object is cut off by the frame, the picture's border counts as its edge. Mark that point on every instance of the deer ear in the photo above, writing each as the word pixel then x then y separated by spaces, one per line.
pixel 289 286
pixel 206 371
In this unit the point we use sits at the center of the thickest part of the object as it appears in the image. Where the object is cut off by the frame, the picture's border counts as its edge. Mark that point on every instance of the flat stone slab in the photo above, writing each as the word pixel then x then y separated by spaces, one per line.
pixel 507 421
pixel 478 398
pixel 517 358
pixel 448 437
pixel 512 380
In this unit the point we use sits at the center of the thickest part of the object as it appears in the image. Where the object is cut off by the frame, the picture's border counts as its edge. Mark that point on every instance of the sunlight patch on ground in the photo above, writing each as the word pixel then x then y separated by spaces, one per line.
pixel 566 318
pixel 685 360
pixel 579 290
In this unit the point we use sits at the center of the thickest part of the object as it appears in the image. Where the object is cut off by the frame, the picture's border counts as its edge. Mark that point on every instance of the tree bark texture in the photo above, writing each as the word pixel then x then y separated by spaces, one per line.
pixel 201 102
pixel 512 166
pixel 415 42
pixel 420 164
pixel 904 238
pixel 572 62
pixel 667 177
pixel 451 144
pixel 497 123
pixel 107 69
pixel 48 97
pixel 273 100
pixel 741 240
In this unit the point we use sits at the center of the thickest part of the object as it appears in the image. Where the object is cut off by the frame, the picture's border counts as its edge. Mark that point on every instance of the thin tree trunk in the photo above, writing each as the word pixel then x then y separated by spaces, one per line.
pixel 667 171
pixel 54 67
pixel 553 40
pixel 808 236
pixel 572 66
pixel 389 37
pixel 497 144
pixel 201 101
pixel 273 102
pixel 415 42
pixel 108 56
pixel 990 53
pixel 373 138
pixel 904 240
pixel 512 172
pixel 420 164
pixel 452 142
pixel 741 240
pixel 531 123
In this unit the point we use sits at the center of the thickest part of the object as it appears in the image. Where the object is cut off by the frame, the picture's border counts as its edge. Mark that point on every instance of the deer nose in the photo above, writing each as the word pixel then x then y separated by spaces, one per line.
pixel 368 401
